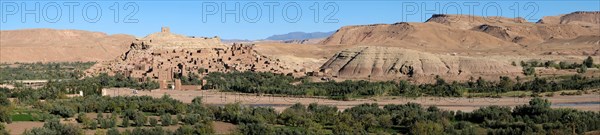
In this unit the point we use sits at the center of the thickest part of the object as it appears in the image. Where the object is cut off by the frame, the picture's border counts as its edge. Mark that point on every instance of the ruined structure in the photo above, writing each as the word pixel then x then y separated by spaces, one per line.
pixel 165 57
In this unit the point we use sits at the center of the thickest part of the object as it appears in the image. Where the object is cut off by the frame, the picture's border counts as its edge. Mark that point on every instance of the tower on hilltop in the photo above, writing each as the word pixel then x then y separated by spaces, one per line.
pixel 165 30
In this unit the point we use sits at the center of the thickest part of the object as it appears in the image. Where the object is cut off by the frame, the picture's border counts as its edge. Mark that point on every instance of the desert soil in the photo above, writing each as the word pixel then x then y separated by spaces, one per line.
pixel 16 128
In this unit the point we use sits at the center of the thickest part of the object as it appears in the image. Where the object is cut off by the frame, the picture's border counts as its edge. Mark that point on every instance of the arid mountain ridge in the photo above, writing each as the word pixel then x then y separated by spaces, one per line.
pixel 464 32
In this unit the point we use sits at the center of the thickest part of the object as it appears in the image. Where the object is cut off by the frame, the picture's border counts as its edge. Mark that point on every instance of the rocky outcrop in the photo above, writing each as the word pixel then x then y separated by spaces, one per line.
pixel 390 62
pixel 469 21
pixel 496 31
pixel 588 18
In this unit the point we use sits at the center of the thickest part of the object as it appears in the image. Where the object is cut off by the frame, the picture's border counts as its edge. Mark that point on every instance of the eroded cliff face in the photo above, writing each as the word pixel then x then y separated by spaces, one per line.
pixel 386 62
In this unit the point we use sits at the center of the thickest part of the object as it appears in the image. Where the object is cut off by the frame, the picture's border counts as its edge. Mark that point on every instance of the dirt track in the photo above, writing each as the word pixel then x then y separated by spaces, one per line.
pixel 589 102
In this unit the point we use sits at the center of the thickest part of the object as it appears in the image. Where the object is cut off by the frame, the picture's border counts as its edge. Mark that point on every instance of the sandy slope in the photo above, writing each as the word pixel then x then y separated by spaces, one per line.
pixel 49 45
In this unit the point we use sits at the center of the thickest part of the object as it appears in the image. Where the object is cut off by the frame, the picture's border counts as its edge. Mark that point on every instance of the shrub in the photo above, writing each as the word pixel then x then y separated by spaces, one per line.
pixel 112 131
pixel 81 118
pixel 62 111
pixel 140 119
pixel 582 69
pixel 125 122
pixel 153 122
pixel 204 128
pixel 54 127
pixel 254 129
pixel 588 62
pixel 106 123
pixel 3 130
pixel 179 117
pixel 184 130
pixel 5 115
pixel 40 131
pixel 192 119
pixel 165 120
pixel 529 71
pixel 93 125
pixel 427 128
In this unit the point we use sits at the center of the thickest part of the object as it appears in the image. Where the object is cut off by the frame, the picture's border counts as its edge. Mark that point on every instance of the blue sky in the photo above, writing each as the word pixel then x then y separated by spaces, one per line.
pixel 204 18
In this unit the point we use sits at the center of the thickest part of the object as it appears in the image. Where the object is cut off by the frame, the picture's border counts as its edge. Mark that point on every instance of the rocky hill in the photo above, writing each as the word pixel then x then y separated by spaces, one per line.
pixel 392 62
pixel 50 45
pixel 517 30
pixel 583 45
pixel 469 22
pixel 418 36
pixel 464 33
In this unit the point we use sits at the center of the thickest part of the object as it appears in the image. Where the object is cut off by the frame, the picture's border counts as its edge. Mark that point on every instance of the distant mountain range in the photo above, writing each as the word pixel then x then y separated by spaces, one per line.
pixel 292 37
pixel 300 35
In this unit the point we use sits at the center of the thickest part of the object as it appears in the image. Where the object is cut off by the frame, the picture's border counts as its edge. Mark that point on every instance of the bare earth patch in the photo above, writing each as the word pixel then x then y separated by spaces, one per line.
pixel 17 128
pixel 223 127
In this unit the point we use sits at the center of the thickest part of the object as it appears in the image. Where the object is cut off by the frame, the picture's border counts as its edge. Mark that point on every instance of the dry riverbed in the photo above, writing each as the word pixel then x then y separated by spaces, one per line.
pixel 590 102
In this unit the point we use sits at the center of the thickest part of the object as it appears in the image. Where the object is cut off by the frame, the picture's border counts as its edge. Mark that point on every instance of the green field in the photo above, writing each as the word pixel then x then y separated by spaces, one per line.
pixel 22 117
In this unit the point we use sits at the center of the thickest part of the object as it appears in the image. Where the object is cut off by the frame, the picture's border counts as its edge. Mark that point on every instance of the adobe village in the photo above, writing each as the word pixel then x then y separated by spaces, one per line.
pixel 452 74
